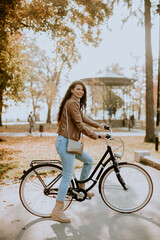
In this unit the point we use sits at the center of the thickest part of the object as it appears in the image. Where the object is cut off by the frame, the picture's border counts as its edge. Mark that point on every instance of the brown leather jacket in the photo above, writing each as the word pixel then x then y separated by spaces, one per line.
pixel 76 121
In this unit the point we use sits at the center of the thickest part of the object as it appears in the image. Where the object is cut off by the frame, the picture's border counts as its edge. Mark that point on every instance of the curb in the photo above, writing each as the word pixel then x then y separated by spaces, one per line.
pixel 151 161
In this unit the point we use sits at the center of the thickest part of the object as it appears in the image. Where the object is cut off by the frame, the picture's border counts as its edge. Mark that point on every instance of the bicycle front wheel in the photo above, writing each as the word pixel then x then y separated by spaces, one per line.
pixel 138 193
pixel 39 188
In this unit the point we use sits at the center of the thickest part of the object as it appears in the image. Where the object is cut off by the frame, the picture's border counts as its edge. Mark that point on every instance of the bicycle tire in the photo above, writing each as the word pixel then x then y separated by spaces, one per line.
pixel 139 188
pixel 31 190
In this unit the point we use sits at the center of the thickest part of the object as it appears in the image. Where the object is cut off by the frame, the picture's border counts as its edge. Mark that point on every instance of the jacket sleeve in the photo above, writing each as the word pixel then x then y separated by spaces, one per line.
pixel 90 122
pixel 74 111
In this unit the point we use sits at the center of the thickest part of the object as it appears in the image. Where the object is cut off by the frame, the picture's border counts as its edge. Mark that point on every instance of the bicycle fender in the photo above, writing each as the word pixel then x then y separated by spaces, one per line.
pixel 25 173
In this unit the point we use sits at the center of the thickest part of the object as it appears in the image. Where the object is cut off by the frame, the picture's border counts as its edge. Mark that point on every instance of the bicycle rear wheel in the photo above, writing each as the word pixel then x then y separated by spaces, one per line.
pixel 139 188
pixel 37 198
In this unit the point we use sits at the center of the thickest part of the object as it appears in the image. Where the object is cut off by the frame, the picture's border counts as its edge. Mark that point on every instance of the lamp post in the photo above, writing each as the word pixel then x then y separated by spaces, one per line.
pixel 158 87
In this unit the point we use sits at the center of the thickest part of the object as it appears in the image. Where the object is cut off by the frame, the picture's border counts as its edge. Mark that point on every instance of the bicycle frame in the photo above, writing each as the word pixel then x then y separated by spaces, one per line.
pixel 101 164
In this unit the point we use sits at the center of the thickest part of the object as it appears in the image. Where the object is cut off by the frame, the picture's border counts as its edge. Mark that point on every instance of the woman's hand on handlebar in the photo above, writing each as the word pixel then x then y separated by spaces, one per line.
pixel 102 125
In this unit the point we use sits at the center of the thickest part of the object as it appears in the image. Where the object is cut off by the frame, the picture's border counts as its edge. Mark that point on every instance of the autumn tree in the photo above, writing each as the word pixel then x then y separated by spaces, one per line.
pixel 41 81
pixel 64 20
pixel 34 77
pixel 12 71
pixel 10 52
pixel 44 73
pixel 50 82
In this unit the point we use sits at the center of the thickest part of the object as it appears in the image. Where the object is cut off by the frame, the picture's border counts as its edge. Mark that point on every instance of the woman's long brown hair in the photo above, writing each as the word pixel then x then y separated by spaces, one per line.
pixel 68 94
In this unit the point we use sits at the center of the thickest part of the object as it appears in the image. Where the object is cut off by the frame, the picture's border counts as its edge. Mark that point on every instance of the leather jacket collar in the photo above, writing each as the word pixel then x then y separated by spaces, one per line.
pixel 75 98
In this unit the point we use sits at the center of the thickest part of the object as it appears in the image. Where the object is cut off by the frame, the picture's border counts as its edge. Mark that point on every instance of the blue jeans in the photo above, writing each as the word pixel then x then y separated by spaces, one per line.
pixel 68 160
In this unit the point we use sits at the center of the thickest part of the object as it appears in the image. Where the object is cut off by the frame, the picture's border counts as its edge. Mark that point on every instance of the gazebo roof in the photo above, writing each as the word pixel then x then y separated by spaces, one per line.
pixel 108 78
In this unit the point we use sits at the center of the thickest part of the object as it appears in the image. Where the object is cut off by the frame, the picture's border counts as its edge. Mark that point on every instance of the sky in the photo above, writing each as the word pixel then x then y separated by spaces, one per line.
pixel 117 46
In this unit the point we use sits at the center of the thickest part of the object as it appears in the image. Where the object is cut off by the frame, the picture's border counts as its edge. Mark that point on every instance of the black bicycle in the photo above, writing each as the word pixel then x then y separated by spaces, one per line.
pixel 124 187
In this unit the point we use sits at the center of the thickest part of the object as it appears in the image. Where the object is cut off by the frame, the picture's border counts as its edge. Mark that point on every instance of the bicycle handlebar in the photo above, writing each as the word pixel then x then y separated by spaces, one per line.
pixel 107 128
pixel 107 135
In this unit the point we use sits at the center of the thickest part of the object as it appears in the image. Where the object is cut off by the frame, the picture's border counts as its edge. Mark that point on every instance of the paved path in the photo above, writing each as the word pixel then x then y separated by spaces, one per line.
pixel 90 219
pixel 123 132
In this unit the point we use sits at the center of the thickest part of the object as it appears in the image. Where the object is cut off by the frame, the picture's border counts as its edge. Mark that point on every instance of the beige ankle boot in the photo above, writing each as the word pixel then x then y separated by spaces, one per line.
pixel 58 213
pixel 82 185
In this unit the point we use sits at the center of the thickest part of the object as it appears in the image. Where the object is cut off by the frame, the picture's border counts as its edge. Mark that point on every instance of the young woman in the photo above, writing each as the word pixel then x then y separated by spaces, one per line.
pixel 75 101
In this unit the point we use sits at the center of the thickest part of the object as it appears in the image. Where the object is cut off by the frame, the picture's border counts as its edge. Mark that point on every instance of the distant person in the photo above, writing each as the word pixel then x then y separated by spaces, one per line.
pixel 110 109
pixel 132 120
pixel 114 111
pixel 124 119
pixel 31 121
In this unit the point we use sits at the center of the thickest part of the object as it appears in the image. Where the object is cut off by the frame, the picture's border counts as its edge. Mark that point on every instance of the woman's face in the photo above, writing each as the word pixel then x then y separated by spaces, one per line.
pixel 78 91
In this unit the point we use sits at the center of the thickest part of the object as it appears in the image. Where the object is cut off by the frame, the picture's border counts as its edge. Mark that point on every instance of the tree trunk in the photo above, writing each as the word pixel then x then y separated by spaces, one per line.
pixel 139 107
pixel 150 129
pixel 1 104
pixel 49 113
